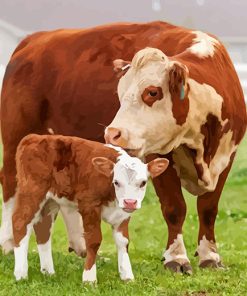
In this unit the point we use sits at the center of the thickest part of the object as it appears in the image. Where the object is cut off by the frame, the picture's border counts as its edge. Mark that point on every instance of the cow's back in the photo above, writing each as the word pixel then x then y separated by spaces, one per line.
pixel 64 79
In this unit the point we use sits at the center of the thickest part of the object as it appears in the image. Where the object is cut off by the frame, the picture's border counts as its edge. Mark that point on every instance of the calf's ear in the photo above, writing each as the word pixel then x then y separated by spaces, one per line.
pixel 103 165
pixel 157 166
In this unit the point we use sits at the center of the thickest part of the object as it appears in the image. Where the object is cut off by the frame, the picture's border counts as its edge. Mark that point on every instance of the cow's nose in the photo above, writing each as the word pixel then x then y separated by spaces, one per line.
pixel 130 203
pixel 114 136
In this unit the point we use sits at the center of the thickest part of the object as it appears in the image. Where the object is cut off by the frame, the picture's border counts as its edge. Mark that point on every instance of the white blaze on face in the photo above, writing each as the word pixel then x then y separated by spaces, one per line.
pixel 146 128
pixel 130 177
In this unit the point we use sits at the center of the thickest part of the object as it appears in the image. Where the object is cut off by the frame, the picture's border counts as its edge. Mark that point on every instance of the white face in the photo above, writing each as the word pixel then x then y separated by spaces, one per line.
pixel 130 177
pixel 145 127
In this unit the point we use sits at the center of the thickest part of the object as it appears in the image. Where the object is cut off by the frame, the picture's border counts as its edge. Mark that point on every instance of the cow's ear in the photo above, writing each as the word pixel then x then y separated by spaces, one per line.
pixel 178 75
pixel 157 166
pixel 103 165
pixel 121 67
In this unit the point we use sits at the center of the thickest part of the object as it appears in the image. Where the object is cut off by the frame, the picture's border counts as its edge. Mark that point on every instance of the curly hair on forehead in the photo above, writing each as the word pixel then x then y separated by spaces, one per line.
pixel 146 55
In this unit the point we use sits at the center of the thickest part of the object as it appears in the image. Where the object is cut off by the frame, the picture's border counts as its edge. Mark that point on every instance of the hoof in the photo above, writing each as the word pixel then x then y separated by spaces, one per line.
pixel 8 247
pixel 176 267
pixel 80 253
pixel 211 264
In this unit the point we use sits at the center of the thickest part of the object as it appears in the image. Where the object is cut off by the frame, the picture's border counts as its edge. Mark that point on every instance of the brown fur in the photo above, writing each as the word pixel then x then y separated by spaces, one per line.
pixel 63 166
pixel 64 80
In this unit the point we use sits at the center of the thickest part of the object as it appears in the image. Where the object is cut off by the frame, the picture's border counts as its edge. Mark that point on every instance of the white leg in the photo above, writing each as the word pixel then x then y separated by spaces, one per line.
pixel 74 225
pixel 176 252
pixel 45 257
pixel 207 251
pixel 21 264
pixel 6 232
pixel 124 265
pixel 89 276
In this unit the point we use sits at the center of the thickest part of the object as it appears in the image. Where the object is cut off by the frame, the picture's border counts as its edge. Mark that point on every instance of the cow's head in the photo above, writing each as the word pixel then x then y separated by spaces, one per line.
pixel 129 177
pixel 153 94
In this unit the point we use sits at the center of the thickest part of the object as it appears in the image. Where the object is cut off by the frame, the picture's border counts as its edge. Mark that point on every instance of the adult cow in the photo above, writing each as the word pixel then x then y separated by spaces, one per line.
pixel 63 81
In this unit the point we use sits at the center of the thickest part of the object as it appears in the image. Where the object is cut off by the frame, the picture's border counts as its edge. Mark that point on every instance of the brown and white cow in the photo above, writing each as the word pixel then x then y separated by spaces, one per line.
pixel 192 105
pixel 95 179
pixel 64 80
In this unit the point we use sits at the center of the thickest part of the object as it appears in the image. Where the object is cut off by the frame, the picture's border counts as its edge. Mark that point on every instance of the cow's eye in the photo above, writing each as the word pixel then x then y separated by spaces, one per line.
pixel 116 183
pixel 153 93
pixel 143 183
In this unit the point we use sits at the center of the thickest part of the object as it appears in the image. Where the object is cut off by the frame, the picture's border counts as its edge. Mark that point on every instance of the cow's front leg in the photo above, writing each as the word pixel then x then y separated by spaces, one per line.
pixel 168 189
pixel 121 237
pixel 91 221
pixel 207 207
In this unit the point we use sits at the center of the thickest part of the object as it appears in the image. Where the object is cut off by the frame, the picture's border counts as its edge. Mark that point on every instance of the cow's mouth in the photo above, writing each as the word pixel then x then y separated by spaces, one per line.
pixel 133 152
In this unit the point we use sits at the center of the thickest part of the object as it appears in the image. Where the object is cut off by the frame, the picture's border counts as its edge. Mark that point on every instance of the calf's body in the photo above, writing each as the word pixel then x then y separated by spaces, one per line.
pixel 79 175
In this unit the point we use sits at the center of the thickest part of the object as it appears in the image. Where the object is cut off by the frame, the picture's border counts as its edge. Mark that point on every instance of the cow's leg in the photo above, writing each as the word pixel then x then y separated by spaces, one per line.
pixel 168 189
pixel 91 221
pixel 74 225
pixel 8 180
pixel 207 207
pixel 121 237
pixel 43 230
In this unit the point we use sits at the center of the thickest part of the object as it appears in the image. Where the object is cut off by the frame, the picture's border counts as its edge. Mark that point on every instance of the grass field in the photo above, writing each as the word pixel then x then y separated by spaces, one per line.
pixel 148 237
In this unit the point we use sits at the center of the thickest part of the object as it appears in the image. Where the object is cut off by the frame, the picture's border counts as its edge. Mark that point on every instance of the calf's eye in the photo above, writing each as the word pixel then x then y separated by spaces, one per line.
pixel 116 183
pixel 143 183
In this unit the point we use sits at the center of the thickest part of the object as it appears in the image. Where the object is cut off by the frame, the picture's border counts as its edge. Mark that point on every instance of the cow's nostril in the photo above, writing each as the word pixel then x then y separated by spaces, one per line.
pixel 117 135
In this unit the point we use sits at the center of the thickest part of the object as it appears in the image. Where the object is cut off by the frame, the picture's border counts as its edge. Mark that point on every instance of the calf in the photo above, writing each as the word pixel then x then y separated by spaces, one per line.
pixel 101 181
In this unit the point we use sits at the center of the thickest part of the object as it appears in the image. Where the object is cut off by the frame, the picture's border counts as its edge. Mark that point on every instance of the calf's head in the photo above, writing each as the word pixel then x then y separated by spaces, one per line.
pixel 153 94
pixel 129 177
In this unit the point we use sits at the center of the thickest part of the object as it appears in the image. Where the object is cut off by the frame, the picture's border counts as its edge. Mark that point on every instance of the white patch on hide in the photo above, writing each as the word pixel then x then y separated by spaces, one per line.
pixel 207 250
pixel 124 265
pixel 89 275
pixel 176 251
pixel 203 45
pixel 45 256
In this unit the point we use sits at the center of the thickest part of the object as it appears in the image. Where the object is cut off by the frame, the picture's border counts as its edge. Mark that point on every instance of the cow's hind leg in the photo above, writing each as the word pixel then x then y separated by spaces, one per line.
pixel 30 200
pixel 207 207
pixel 43 230
pixel 168 189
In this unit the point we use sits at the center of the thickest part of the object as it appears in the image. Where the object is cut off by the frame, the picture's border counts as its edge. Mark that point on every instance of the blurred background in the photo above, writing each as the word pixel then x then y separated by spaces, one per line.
pixel 226 19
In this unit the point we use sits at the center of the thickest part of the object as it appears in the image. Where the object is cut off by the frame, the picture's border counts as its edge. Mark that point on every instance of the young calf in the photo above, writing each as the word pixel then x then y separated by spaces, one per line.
pixel 100 181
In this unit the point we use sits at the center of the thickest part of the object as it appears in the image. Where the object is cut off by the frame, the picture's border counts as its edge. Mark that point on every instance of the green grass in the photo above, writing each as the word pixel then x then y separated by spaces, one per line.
pixel 148 238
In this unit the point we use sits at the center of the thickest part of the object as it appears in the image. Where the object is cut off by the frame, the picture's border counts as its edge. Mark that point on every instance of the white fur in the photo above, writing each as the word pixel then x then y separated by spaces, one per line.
pixel 21 264
pixel 203 45
pixel 207 250
pixel 113 215
pixel 89 275
pixel 124 265
pixel 45 256
pixel 74 225
pixel 176 251
pixel 6 232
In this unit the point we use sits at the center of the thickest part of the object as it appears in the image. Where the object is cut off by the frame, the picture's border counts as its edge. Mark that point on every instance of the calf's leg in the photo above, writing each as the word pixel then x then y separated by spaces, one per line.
pixel 43 230
pixel 121 237
pixel 74 225
pixel 168 189
pixel 27 212
pixel 207 207
pixel 91 221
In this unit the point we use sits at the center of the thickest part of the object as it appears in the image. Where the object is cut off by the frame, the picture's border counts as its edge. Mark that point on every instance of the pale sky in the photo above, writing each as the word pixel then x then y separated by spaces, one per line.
pixel 220 17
